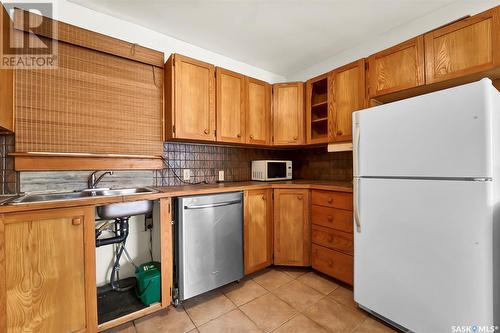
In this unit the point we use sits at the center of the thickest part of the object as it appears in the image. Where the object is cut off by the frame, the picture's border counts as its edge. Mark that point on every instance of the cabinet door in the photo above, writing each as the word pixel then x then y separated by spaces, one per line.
pixel 292 228
pixel 258 222
pixel 258 121
pixel 194 102
pixel 347 89
pixel 466 47
pixel 397 68
pixel 288 114
pixel 230 106
pixel 49 271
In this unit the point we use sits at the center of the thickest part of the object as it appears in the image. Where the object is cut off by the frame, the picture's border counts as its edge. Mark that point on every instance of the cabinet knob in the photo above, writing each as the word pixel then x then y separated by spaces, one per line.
pixel 330 239
pixel 295 138
pixel 76 221
pixel 299 197
pixel 339 133
pixel 330 200
pixel 330 218
pixel 264 197
pixel 206 131
pixel 251 136
pixel 238 135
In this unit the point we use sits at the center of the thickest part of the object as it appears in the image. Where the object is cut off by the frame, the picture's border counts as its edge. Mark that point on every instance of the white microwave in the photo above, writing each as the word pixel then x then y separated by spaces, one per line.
pixel 268 170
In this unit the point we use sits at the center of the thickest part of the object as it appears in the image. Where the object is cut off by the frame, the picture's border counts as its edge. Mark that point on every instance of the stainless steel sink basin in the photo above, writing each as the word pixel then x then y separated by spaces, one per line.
pixel 123 209
pixel 48 197
pixel 32 198
pixel 123 191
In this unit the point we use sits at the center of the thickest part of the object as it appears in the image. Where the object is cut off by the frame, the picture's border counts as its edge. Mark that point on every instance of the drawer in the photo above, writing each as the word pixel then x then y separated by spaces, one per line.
pixel 333 239
pixel 335 264
pixel 338 219
pixel 340 200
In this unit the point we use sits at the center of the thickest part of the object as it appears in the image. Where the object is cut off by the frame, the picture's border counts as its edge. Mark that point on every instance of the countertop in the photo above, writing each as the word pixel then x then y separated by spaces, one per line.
pixel 176 191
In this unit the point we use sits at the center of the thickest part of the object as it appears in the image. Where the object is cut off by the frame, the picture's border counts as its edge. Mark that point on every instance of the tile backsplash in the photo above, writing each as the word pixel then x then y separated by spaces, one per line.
pixel 204 161
pixel 9 178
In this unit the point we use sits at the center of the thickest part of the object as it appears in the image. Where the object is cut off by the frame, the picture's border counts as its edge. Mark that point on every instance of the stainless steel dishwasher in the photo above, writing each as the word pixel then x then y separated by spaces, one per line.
pixel 209 243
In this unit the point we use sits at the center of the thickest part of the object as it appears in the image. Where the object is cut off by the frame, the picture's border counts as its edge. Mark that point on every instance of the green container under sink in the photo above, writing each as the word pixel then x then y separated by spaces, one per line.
pixel 148 287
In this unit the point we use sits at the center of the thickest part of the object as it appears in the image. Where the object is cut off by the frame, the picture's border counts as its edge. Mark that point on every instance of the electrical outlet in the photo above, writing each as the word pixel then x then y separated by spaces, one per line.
pixel 148 223
pixel 186 175
pixel 221 175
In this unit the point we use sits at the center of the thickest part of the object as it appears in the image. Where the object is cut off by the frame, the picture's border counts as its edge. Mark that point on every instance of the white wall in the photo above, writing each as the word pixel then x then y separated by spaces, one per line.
pixel 419 26
pixel 89 19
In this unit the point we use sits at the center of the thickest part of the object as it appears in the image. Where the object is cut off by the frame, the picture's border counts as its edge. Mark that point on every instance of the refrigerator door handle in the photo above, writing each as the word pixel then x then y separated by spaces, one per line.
pixel 357 136
pixel 356 205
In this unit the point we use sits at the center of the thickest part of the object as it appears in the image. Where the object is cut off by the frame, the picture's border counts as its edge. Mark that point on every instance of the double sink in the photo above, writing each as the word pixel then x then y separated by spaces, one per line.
pixel 109 211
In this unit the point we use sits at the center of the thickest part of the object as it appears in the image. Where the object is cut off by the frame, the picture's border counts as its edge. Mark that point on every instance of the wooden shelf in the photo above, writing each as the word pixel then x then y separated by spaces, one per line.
pixel 315 105
pixel 319 120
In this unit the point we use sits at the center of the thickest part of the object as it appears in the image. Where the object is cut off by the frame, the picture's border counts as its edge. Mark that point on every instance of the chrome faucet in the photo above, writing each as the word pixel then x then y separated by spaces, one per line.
pixel 92 181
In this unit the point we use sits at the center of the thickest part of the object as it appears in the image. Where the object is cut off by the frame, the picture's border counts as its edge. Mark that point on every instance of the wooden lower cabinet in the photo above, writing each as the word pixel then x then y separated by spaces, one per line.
pixel 258 230
pixel 48 271
pixel 292 227
pixel 332 234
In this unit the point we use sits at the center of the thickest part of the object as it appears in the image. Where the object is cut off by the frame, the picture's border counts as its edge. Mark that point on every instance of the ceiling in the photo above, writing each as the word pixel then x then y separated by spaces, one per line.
pixel 280 36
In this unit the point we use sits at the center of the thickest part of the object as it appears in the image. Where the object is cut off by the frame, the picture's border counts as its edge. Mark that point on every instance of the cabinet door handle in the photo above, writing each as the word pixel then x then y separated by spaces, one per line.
pixel 76 221
pixel 206 131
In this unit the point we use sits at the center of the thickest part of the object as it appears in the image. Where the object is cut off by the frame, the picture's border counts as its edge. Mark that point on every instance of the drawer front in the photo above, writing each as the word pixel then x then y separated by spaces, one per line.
pixel 338 219
pixel 340 200
pixel 335 264
pixel 333 239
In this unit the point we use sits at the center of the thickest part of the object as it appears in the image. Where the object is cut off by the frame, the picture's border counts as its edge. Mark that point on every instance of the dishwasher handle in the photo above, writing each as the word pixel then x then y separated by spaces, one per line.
pixel 218 204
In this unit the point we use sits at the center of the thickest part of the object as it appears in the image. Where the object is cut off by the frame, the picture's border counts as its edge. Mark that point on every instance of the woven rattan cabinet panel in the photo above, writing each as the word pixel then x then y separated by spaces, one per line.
pixel 93 102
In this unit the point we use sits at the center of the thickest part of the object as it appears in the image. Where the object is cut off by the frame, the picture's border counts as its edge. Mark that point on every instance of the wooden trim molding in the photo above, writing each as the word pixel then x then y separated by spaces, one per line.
pixel 62 162
pixel 71 34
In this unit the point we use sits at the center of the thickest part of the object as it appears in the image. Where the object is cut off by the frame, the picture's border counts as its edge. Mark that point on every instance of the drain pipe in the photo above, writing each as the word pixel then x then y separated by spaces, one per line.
pixel 121 230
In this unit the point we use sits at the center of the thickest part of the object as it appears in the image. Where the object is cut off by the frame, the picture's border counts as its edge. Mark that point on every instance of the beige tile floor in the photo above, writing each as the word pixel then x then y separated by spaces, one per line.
pixel 278 299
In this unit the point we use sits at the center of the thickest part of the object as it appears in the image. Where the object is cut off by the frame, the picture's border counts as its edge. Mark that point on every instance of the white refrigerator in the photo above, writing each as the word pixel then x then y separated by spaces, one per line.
pixel 427 210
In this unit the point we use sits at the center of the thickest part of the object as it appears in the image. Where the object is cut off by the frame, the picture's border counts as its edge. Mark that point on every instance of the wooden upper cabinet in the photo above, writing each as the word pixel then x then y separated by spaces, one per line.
pixel 347 93
pixel 397 68
pixel 258 112
pixel 465 47
pixel 258 235
pixel 288 114
pixel 230 103
pixel 318 103
pixel 190 99
pixel 292 227
pixel 48 271
pixel 6 79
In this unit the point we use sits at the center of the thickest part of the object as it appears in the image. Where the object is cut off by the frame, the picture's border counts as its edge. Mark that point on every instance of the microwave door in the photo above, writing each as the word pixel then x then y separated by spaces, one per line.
pixel 276 170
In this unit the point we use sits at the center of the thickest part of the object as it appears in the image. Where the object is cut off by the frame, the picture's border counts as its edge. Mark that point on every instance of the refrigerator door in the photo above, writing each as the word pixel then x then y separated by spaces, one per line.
pixel 423 256
pixel 442 134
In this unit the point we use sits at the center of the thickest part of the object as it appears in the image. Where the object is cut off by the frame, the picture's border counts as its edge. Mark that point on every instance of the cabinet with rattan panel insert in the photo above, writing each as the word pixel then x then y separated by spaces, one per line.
pixel 332 234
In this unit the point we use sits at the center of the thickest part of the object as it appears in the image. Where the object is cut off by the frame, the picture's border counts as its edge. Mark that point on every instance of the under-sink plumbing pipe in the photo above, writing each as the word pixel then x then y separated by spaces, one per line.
pixel 121 231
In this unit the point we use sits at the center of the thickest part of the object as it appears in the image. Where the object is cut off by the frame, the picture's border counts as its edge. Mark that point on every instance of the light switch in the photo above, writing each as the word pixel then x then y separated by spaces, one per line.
pixel 221 175
pixel 186 175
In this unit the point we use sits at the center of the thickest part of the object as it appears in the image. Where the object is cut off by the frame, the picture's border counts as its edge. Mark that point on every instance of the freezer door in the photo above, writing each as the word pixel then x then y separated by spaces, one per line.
pixel 442 134
pixel 423 256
